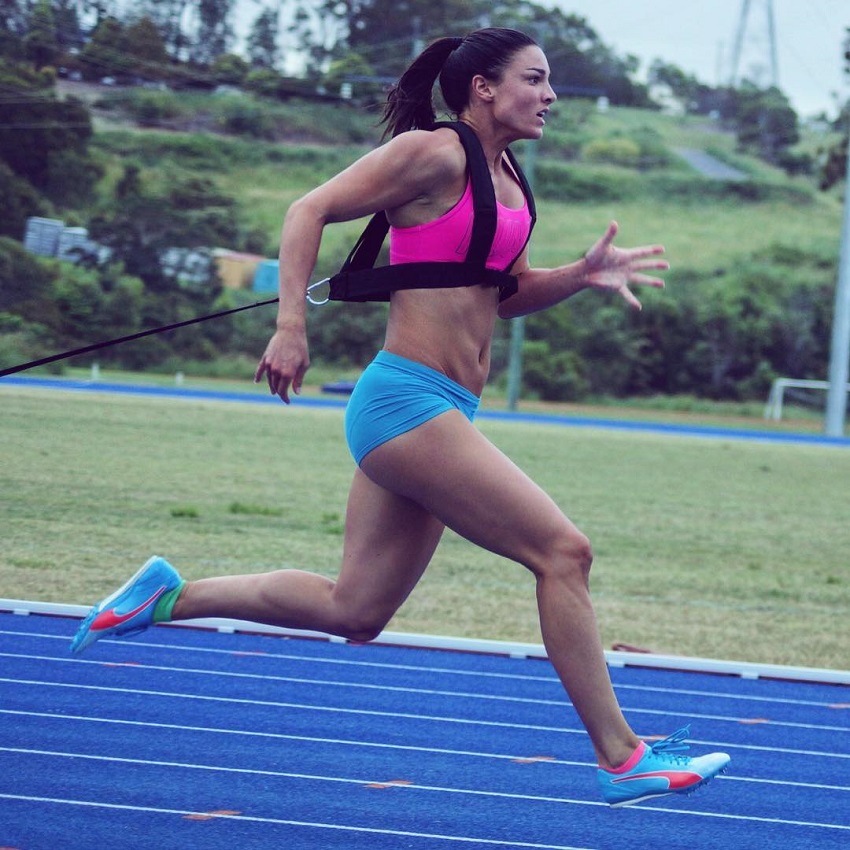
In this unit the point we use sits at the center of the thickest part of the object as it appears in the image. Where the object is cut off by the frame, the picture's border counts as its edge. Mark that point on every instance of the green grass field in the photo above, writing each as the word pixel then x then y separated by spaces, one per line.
pixel 716 548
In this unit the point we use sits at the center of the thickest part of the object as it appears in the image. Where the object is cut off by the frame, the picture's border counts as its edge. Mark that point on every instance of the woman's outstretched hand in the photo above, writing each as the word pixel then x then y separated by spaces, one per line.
pixel 613 269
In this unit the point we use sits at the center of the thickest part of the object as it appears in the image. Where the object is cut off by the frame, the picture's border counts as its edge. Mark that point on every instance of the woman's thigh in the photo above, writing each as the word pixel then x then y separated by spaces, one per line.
pixel 455 474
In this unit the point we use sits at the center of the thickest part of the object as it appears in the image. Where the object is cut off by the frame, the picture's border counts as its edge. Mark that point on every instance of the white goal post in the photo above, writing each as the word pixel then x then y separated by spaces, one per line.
pixel 773 408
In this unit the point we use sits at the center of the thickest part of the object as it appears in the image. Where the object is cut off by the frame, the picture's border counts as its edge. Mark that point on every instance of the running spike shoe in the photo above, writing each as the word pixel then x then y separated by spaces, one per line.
pixel 130 609
pixel 659 769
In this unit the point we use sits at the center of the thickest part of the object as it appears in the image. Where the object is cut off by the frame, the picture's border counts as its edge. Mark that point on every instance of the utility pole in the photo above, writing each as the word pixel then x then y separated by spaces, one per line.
pixel 739 41
pixel 839 358
pixel 740 36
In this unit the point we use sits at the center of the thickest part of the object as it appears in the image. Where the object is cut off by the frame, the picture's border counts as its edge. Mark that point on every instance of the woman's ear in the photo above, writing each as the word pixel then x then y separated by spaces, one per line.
pixel 481 88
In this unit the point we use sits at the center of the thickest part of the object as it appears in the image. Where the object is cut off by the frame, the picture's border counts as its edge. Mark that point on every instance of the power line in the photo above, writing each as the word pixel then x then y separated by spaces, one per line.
pixel 47 125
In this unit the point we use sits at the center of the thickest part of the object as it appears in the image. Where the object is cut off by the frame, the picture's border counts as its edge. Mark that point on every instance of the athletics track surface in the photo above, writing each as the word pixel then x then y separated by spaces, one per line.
pixel 194 738
pixel 190 738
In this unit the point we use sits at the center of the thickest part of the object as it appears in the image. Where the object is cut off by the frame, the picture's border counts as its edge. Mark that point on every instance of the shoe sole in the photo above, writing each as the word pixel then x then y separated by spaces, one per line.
pixel 683 793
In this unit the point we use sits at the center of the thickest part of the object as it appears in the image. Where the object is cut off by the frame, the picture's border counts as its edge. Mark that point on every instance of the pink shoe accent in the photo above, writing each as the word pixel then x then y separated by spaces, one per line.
pixel 633 759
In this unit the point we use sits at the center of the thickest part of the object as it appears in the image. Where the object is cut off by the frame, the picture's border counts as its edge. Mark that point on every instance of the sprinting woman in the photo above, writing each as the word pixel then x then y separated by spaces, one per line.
pixel 421 463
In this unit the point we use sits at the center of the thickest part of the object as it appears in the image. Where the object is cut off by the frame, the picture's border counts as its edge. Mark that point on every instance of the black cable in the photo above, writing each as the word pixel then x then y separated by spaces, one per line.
pixel 110 342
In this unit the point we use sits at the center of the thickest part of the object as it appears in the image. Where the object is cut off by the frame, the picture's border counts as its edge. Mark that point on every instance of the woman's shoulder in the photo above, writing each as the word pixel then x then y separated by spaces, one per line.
pixel 437 151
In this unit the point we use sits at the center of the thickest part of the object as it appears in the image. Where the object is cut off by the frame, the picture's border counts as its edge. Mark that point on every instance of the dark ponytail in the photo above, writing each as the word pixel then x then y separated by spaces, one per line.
pixel 410 102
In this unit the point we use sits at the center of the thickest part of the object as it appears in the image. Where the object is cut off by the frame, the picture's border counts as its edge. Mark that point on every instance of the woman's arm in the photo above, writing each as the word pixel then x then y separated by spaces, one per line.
pixel 604 267
pixel 410 168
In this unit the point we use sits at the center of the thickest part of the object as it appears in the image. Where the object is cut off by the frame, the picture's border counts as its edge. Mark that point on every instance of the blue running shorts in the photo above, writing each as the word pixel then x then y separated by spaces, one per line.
pixel 395 395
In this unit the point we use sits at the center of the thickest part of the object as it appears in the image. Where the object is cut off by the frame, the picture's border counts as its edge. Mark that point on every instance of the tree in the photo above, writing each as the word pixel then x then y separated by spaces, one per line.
pixel 67 17
pixel 20 201
pixel 346 334
pixel 319 28
pixel 340 71
pixel 37 127
pixel 263 50
pixel 22 278
pixel 13 16
pixel 765 122
pixel 41 46
pixel 696 96
pixel 101 9
pixel 214 32
pixel 168 16
pixel 146 46
pixel 229 70
pixel 846 47
pixel 834 159
pixel 142 226
pixel 106 53
pixel 389 33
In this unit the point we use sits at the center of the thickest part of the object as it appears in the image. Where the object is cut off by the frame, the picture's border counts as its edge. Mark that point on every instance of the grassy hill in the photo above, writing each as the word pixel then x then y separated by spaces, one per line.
pixel 590 167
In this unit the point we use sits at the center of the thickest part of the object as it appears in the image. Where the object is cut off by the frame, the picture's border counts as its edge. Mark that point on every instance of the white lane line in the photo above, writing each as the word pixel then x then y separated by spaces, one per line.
pixel 558 703
pixel 374 713
pixel 213 730
pixel 429 788
pixel 460 839
pixel 552 679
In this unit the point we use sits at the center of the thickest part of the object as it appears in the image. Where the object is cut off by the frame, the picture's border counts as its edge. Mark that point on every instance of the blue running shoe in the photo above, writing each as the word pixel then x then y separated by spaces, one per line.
pixel 130 609
pixel 658 769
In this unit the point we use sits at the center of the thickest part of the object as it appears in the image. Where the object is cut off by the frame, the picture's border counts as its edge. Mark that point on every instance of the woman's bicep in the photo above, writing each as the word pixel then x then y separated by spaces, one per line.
pixel 395 174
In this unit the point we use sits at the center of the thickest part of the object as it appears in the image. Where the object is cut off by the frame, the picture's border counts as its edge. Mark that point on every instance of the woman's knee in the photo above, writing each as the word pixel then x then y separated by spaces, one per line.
pixel 362 631
pixel 361 625
pixel 569 557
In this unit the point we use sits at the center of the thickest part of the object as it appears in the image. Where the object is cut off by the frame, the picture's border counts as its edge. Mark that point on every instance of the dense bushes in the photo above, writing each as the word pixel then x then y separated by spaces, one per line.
pixel 48 306
pixel 241 114
pixel 723 337
pixel 20 201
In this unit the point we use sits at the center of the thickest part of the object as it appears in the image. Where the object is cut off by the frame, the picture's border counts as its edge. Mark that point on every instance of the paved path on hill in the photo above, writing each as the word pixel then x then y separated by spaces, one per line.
pixel 709 166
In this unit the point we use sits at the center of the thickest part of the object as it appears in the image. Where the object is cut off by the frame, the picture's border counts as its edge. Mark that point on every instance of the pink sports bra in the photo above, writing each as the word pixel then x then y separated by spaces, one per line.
pixel 446 239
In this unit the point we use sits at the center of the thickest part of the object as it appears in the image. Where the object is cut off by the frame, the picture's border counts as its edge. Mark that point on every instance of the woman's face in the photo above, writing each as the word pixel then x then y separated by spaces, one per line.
pixel 521 99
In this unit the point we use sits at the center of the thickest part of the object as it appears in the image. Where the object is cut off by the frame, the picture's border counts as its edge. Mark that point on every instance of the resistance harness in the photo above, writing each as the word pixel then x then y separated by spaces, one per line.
pixel 359 280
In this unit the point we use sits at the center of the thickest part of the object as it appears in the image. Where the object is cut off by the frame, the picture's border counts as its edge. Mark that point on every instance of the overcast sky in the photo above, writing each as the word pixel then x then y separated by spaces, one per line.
pixel 698 36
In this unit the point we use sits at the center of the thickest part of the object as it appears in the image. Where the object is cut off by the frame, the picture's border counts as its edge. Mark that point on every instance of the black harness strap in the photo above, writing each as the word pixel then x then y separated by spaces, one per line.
pixel 358 280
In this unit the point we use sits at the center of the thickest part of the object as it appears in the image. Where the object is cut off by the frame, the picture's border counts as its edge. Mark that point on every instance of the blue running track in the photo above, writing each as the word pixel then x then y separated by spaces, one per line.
pixel 191 738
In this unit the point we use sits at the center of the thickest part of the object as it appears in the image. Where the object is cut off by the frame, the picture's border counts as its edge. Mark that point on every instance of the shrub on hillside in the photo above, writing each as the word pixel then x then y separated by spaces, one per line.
pixel 243 116
pixel 552 375
pixel 618 151
pixel 24 280
pixel 20 201
pixel 567 183
pixel 153 108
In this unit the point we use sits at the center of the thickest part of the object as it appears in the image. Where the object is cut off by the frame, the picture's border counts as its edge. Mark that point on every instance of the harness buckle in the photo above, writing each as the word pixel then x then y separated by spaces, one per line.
pixel 314 301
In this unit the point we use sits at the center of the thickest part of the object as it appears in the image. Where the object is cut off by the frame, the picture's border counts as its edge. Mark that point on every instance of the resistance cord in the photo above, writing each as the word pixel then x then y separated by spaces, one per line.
pixel 110 342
